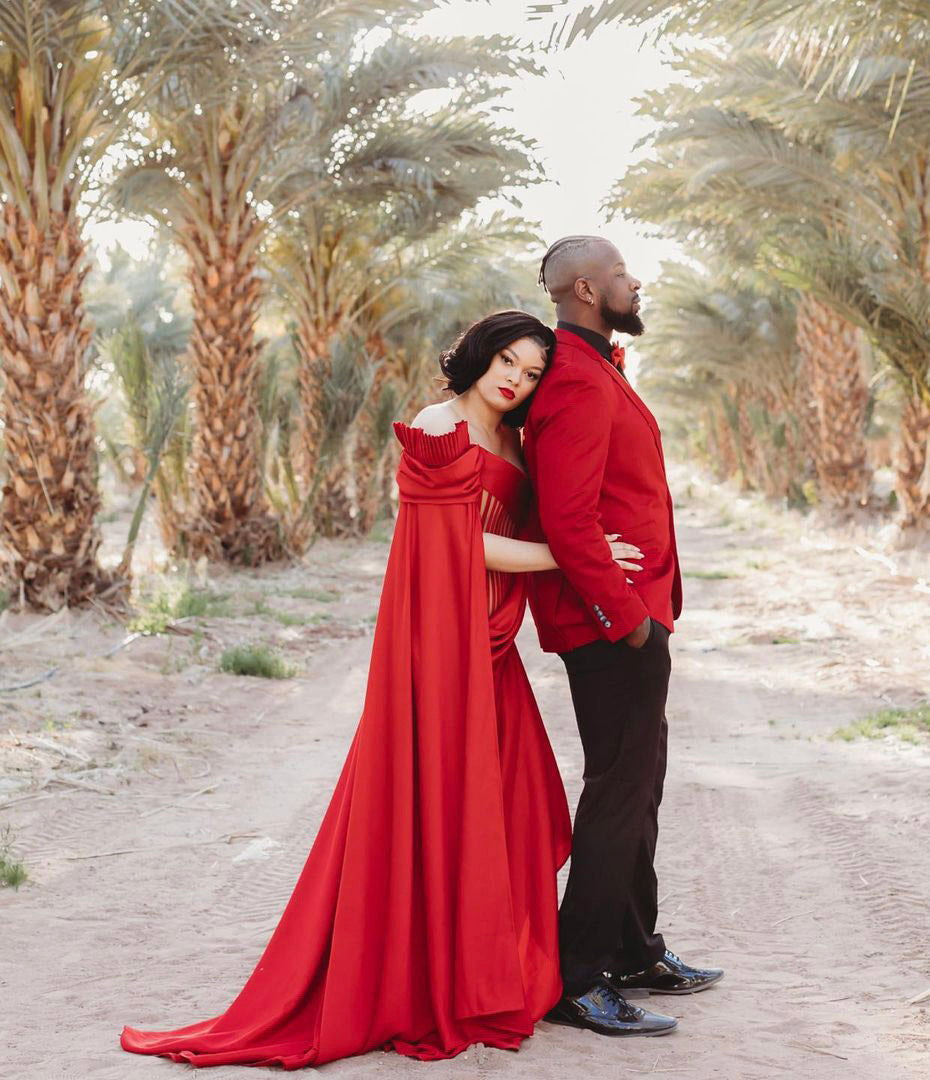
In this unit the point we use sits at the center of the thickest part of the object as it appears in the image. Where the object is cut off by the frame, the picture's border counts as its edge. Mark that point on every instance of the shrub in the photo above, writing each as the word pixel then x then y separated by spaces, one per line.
pixel 255 660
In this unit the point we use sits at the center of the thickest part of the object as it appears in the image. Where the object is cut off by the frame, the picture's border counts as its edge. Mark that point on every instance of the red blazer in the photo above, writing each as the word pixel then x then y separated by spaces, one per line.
pixel 594 455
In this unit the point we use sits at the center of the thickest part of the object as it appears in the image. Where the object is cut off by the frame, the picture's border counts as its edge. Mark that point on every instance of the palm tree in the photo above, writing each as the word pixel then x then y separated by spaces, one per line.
pixel 812 122
pixel 70 71
pixel 243 140
pixel 726 348
pixel 143 326
pixel 156 397
pixel 713 172
pixel 874 271
pixel 912 462
pixel 761 142
pixel 350 261
pixel 212 132
pixel 829 36
pixel 138 311
pixel 359 285
pixel 72 74
pixel 460 275
pixel 369 253
pixel 55 122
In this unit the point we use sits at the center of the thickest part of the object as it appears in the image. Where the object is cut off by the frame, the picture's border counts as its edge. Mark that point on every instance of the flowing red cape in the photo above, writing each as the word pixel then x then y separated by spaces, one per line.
pixel 424 919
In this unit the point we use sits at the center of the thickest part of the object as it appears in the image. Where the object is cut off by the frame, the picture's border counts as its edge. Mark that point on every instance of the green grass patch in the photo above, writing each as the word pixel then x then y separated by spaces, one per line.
pixel 286 618
pixel 909 725
pixel 289 618
pixel 786 640
pixel 708 575
pixel 255 660
pixel 4 599
pixel 200 602
pixel 12 871
pixel 158 610
pixel 323 596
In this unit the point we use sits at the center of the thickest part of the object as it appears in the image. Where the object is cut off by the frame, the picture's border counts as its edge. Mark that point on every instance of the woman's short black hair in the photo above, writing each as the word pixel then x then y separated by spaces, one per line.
pixel 473 350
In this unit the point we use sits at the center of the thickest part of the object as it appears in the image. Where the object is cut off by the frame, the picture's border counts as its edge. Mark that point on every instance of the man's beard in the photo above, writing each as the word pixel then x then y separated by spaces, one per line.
pixel 624 322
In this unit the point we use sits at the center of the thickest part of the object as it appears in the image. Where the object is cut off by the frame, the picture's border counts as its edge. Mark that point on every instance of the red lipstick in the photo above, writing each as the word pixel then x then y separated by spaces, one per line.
pixel 507 393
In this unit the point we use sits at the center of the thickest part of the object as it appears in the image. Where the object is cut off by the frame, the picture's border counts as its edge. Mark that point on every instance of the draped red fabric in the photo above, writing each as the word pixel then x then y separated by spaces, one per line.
pixel 424 919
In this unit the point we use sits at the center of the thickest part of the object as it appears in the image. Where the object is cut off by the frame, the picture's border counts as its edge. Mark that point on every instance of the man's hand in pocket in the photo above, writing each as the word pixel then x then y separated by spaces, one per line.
pixel 637 638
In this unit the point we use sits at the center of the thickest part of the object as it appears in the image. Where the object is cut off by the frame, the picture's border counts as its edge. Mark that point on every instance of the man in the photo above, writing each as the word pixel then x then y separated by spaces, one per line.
pixel 594 456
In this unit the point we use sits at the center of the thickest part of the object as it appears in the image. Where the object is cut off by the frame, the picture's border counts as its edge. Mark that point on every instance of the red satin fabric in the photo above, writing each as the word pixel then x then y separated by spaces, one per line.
pixel 424 919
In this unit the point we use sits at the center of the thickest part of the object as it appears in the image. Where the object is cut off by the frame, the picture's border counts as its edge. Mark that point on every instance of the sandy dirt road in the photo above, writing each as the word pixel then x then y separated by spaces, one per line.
pixel 164 810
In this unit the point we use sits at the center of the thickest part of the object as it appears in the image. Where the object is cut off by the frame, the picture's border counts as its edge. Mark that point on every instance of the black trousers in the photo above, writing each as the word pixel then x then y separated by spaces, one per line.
pixel 608 913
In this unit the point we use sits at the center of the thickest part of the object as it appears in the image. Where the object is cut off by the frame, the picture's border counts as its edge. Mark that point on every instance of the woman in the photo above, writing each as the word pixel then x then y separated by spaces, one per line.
pixel 424 919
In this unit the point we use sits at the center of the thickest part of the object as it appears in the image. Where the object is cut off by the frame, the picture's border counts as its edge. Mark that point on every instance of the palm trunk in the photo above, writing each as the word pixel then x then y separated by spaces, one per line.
pixel 369 458
pixel 782 464
pixel 317 468
pixel 808 415
pixel 751 453
pixel 336 509
pixel 912 461
pixel 313 369
pixel 791 463
pixel 233 521
pixel 50 499
pixel 835 402
pixel 330 438
pixel 726 462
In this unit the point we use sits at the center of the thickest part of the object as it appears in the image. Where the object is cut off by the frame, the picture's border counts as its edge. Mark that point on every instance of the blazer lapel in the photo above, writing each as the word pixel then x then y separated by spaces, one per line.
pixel 637 401
pixel 578 342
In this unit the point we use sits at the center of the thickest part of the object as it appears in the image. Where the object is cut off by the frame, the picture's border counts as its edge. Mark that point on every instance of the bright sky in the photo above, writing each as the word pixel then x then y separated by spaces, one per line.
pixel 581 114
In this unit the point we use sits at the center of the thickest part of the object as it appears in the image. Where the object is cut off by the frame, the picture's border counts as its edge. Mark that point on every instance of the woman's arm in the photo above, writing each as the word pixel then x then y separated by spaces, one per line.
pixel 525 557
pixel 516 556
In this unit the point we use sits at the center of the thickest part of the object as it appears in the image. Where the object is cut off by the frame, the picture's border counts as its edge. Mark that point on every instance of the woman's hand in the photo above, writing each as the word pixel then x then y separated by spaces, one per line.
pixel 622 552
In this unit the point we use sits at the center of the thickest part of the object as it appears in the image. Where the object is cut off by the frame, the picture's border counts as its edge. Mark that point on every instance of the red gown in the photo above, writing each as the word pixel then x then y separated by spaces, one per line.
pixel 424 919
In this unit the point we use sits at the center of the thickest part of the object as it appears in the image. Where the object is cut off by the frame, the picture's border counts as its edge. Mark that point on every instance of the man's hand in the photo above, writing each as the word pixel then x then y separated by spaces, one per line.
pixel 636 639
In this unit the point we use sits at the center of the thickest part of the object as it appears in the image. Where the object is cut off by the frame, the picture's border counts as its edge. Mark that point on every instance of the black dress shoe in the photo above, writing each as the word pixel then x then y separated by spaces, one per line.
pixel 605 1011
pixel 669 976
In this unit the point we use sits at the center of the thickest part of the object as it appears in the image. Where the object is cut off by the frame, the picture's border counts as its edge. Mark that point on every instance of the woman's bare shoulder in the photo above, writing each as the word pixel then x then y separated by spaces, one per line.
pixel 435 419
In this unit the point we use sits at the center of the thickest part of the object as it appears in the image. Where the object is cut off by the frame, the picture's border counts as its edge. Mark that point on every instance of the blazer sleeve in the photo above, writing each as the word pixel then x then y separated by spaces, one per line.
pixel 571 438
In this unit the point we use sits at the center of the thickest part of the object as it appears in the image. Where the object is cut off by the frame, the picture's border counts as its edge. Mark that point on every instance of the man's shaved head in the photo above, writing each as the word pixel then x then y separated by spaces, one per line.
pixel 573 257
pixel 588 281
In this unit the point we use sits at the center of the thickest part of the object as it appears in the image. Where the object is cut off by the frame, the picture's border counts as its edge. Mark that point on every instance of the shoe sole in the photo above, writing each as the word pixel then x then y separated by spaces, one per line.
pixel 606 1031
pixel 645 991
